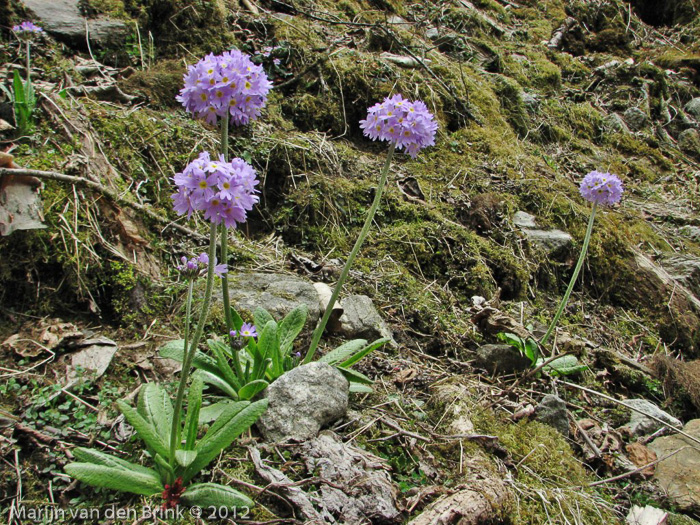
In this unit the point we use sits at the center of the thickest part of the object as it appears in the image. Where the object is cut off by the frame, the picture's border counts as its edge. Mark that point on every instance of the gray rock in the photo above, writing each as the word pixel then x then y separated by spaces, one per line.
pixel 685 269
pixel 692 107
pixel 432 33
pixel 677 307
pixel 396 19
pixel 360 488
pixel 361 320
pixel 679 475
pixel 277 293
pixel 530 101
pixel 692 232
pixel 62 19
pixel 551 241
pixel 554 242
pixel 635 118
pixel 614 123
pixel 501 359
pixel 302 401
pixel 552 411
pixel 641 425
pixel 689 141
pixel 94 356
pixel 522 219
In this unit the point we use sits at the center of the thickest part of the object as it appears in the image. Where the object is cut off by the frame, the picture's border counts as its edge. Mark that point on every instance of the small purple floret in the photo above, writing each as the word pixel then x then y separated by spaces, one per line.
pixel 409 124
pixel 230 82
pixel 27 27
pixel 193 267
pixel 224 191
pixel 248 330
pixel 601 188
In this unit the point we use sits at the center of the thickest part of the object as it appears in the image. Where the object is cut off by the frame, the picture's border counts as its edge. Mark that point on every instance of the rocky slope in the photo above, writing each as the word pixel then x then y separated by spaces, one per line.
pixel 530 96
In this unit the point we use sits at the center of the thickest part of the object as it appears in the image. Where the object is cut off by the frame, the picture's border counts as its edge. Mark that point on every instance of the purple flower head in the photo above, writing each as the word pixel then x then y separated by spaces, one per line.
pixel 27 27
pixel 219 269
pixel 248 330
pixel 601 188
pixel 224 191
pixel 408 124
pixel 193 267
pixel 189 268
pixel 230 82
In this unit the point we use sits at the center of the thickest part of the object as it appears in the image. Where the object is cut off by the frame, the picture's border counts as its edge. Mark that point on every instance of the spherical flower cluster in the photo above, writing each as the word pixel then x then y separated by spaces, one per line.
pixel 247 330
pixel 191 268
pixel 225 83
pixel 409 124
pixel 601 188
pixel 224 191
pixel 27 27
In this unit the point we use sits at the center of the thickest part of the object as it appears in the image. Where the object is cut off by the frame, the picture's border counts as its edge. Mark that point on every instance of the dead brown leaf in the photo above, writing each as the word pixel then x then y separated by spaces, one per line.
pixel 641 455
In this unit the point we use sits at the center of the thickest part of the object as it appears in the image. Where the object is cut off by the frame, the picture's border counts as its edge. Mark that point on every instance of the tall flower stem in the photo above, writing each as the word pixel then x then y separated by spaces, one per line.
pixel 224 136
pixel 29 71
pixel 579 264
pixel 176 430
pixel 224 256
pixel 318 332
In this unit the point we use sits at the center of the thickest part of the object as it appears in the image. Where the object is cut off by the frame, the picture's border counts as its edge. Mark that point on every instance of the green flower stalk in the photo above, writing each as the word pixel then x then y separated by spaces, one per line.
pixel 405 125
pixel 238 369
pixel 598 188
pixel 176 431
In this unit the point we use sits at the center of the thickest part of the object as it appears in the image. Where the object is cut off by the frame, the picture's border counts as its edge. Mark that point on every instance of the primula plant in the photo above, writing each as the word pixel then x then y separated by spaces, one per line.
pixel 224 191
pixel 405 125
pixel 171 438
pixel 23 97
pixel 600 189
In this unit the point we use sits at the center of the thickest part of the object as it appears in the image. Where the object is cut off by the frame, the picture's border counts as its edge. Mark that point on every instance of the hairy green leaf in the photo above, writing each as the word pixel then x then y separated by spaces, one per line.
pixel 97 457
pixel 230 424
pixel 343 352
pixel 212 412
pixel 155 407
pixel 144 429
pixel 224 370
pixel 291 326
pixel 218 382
pixel 251 389
pixel 185 458
pixel 366 350
pixel 237 319
pixel 136 482
pixel 175 350
pixel 565 365
pixel 215 495
pixel 194 404
pixel 353 376
pixel 261 317
pixel 360 389
pixel 18 86
pixel 269 347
